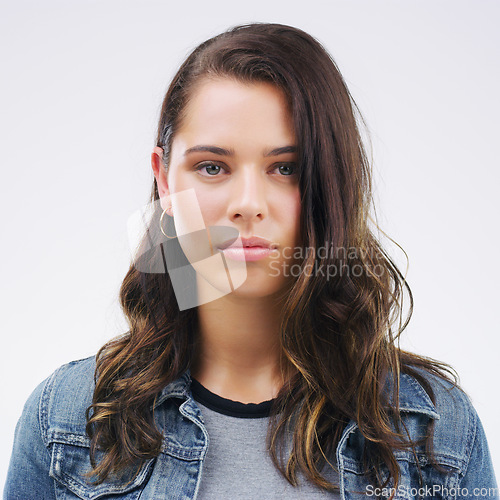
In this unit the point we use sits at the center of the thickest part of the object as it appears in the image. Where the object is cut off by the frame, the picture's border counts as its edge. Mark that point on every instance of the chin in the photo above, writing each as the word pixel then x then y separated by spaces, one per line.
pixel 257 283
pixel 254 288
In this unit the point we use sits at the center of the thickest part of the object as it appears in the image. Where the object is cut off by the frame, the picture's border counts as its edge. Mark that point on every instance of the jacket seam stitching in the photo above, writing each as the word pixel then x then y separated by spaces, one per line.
pixel 471 437
pixel 43 414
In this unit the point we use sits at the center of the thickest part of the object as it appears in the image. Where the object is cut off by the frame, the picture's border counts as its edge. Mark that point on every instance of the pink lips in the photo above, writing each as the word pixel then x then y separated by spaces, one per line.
pixel 250 249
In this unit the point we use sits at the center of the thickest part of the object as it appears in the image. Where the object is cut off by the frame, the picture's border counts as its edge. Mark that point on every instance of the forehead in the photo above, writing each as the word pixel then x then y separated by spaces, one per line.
pixel 226 109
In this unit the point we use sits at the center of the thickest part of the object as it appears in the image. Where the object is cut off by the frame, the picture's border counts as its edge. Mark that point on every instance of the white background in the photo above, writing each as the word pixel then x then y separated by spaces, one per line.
pixel 80 95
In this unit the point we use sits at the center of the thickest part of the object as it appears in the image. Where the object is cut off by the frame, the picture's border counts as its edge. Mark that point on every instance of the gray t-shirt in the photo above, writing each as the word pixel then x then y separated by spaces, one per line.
pixel 237 464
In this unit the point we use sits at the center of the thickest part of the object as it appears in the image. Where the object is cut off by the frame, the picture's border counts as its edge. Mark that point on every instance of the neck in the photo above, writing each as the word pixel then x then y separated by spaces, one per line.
pixel 238 349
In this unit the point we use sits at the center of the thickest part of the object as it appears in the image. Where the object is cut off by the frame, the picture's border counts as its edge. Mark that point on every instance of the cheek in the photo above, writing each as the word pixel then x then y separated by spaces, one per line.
pixel 292 209
pixel 203 201
pixel 212 206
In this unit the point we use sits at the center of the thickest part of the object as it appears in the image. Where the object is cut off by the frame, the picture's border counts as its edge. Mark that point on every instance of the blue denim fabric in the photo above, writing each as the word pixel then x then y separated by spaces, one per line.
pixel 51 450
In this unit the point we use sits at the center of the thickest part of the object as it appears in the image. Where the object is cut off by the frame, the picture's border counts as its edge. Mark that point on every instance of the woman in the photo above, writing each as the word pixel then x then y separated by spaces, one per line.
pixel 262 357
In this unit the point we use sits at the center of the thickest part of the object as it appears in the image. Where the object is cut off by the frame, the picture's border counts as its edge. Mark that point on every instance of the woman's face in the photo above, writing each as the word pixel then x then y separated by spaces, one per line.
pixel 236 152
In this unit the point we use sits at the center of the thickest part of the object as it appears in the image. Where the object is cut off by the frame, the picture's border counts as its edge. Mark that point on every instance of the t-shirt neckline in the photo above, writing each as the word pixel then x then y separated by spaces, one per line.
pixel 228 406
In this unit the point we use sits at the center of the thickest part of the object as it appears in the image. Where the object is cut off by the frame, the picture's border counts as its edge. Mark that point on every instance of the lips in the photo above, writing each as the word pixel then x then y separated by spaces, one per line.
pixel 247 249
pixel 251 242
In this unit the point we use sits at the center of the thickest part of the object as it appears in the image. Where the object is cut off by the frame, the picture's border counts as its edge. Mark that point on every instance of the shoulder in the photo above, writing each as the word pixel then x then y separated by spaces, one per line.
pixel 450 400
pixel 454 419
pixel 51 424
pixel 62 399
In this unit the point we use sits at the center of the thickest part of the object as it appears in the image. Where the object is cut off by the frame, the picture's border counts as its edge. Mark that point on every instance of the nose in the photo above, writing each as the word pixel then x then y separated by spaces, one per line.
pixel 248 201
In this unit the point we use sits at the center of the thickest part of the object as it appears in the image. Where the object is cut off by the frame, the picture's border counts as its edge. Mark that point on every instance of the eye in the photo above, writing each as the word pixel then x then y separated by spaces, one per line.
pixel 211 169
pixel 287 169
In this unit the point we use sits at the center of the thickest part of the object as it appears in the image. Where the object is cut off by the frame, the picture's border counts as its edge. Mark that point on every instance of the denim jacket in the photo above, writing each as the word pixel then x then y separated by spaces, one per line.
pixel 51 449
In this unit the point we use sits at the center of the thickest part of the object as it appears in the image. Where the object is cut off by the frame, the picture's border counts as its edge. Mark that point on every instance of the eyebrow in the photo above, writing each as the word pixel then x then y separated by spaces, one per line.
pixel 230 152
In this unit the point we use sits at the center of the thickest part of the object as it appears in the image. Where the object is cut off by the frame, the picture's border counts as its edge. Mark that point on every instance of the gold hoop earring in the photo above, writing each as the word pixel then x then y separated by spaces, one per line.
pixel 161 224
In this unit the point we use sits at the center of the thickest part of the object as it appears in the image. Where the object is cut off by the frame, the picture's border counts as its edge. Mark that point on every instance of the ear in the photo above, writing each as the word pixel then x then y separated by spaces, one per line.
pixel 160 174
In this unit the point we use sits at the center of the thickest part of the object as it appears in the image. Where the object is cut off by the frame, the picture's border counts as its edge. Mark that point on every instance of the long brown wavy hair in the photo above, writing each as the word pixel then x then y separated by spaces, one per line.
pixel 340 333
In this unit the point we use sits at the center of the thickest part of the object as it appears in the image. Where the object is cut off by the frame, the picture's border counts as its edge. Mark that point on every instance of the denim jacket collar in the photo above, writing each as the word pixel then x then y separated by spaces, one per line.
pixel 179 388
pixel 413 398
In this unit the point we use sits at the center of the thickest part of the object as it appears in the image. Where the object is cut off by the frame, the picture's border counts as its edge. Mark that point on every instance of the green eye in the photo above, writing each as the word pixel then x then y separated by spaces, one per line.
pixel 210 168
